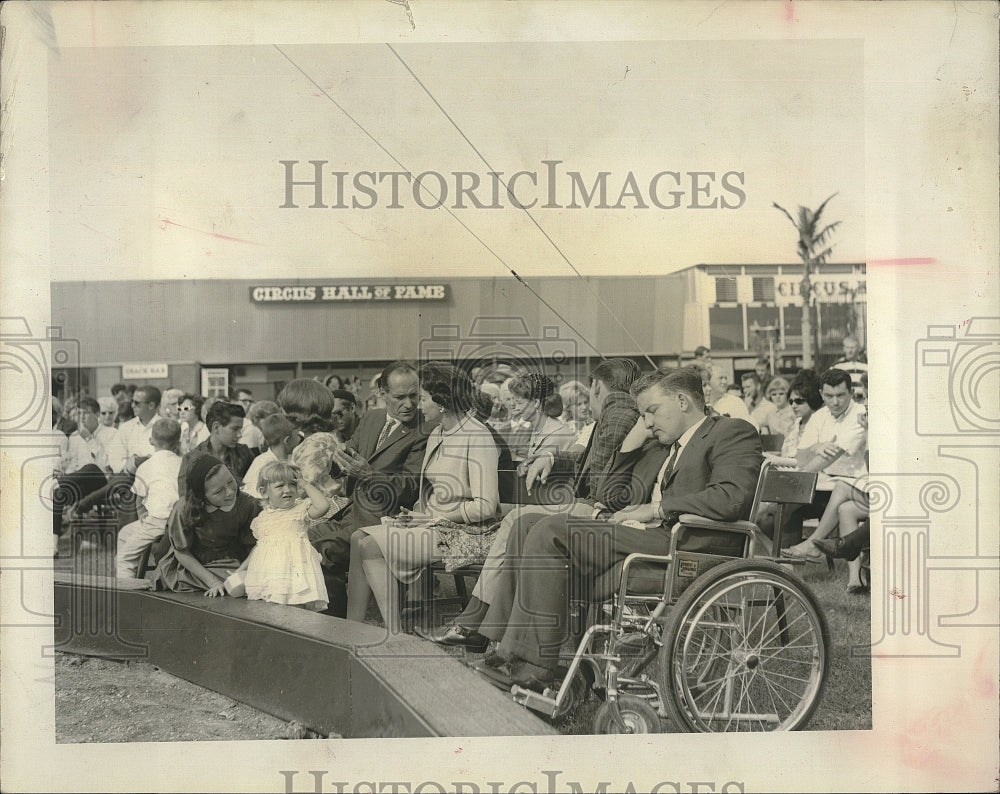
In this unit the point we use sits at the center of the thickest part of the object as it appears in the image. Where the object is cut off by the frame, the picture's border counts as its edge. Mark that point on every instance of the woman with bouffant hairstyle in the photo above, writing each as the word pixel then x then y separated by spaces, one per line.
pixel 528 394
pixel 458 494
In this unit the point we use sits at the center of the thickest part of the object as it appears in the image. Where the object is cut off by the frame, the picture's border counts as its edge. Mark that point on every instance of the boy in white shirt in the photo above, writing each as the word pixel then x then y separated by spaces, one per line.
pixel 155 487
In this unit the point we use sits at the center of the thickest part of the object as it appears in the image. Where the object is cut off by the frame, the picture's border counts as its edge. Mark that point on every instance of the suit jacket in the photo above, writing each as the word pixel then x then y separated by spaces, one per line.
pixel 396 464
pixel 715 475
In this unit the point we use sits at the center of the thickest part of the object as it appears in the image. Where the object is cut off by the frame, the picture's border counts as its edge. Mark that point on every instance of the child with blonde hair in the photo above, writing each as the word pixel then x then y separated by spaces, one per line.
pixel 283 567
pixel 155 488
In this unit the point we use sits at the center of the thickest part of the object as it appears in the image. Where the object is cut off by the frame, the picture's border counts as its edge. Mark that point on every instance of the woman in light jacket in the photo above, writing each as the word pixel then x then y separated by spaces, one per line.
pixel 458 483
pixel 528 394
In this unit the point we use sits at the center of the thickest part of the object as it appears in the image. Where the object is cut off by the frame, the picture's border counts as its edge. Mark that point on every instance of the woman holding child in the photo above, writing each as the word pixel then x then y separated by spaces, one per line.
pixel 458 488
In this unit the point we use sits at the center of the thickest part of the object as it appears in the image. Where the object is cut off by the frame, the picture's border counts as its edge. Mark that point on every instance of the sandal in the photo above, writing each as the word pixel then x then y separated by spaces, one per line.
pixel 796 553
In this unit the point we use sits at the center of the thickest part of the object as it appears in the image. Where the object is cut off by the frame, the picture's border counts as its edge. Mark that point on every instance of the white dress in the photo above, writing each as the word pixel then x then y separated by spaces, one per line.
pixel 284 568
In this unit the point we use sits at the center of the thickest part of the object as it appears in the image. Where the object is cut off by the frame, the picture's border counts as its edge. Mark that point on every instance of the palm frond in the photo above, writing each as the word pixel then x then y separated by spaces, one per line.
pixel 787 213
pixel 819 210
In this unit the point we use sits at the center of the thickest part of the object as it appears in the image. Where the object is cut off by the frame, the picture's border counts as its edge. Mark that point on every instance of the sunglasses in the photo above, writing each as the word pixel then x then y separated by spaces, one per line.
pixel 108 413
pixel 859 397
pixel 797 401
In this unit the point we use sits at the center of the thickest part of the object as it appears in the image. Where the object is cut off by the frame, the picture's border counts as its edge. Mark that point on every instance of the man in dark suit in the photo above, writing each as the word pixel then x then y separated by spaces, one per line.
pixel 693 463
pixel 382 461
pixel 385 453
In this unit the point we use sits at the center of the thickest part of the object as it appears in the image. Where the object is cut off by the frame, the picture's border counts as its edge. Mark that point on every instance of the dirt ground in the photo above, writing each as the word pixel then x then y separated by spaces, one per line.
pixel 100 700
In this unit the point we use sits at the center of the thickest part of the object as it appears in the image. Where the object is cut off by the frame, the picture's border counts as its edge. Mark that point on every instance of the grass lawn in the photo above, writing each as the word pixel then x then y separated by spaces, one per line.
pixel 846 700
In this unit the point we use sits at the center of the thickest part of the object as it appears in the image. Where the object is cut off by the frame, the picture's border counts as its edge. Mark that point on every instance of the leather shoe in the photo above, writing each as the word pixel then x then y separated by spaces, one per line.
pixel 455 636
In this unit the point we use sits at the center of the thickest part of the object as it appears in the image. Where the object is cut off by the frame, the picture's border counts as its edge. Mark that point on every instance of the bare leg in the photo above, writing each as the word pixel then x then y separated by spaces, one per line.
pixel 854 572
pixel 359 592
pixel 843 496
pixel 382 583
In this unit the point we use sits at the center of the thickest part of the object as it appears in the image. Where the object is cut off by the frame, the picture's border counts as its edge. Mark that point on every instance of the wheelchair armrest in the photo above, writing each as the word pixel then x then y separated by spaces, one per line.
pixel 697 522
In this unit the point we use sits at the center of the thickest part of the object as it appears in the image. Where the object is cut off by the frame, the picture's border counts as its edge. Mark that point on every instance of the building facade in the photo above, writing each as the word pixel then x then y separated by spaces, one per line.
pixel 213 335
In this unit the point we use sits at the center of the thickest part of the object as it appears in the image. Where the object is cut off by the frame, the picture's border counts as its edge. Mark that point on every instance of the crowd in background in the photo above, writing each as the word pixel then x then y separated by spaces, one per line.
pixel 194 478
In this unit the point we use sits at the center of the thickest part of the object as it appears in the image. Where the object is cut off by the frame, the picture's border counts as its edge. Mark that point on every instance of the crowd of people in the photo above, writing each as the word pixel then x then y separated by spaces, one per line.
pixel 313 501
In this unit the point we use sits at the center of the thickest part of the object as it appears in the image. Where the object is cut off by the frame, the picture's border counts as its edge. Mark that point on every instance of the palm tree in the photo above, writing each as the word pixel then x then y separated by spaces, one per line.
pixel 812 252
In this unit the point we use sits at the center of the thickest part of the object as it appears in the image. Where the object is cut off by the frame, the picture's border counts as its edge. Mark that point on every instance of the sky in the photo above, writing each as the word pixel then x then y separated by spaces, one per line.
pixel 166 161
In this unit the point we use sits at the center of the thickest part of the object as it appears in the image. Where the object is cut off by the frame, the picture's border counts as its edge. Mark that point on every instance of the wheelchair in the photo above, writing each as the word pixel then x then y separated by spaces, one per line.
pixel 707 637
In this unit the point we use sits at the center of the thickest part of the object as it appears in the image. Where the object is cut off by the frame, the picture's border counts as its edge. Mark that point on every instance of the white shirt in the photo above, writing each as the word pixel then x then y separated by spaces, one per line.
pixel 156 483
pixel 113 446
pixel 681 443
pixel 846 432
pixel 731 405
pixel 251 435
pixel 77 452
pixel 253 473
pixel 138 437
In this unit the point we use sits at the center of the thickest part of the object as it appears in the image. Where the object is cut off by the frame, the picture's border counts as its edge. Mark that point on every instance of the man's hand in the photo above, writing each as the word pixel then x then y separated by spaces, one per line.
pixel 643 514
pixel 218 590
pixel 829 450
pixel 637 436
pixel 538 469
pixel 352 464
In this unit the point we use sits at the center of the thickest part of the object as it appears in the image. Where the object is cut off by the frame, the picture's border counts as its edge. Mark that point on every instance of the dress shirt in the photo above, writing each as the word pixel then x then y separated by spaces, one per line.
pixel 137 437
pixel 846 432
pixel 114 446
pixel 78 452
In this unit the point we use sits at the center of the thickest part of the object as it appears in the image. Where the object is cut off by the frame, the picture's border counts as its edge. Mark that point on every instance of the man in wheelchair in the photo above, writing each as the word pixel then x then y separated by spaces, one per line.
pixel 690 462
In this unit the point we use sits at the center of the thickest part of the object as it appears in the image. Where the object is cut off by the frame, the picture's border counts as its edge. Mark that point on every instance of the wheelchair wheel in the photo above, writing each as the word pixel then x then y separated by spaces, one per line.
pixel 745 648
pixel 637 714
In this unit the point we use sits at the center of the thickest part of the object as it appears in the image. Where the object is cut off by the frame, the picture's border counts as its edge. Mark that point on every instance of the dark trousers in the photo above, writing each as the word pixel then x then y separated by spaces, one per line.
pixel 546 561
pixel 332 539
pixel 795 515
pixel 74 489
pixel 118 494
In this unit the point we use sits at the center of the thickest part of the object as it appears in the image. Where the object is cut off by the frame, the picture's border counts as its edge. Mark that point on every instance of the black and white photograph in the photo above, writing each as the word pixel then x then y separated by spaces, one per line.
pixel 432 396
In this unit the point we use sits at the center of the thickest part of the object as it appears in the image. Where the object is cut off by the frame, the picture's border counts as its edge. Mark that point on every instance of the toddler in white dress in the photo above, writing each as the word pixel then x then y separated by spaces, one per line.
pixel 283 567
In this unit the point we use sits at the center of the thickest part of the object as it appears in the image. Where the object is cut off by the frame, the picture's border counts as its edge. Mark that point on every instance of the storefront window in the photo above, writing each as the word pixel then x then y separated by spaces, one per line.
pixel 726 328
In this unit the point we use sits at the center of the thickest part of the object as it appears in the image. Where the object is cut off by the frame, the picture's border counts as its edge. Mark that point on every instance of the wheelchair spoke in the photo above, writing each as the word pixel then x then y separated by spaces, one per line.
pixel 745 651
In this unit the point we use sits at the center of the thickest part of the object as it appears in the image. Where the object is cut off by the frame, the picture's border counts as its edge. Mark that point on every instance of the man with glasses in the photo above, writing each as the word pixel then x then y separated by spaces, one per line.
pixel 345 414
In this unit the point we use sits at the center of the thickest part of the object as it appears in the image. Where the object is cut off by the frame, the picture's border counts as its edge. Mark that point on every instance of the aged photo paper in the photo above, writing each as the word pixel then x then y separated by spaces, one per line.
pixel 177 140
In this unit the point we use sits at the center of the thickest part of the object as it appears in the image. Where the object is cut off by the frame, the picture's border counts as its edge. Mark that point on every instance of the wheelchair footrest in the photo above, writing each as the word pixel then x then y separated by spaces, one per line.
pixel 544 703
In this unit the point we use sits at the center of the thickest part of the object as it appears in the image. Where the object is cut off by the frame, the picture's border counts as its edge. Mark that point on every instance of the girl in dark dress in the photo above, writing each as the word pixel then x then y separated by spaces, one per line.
pixel 208 530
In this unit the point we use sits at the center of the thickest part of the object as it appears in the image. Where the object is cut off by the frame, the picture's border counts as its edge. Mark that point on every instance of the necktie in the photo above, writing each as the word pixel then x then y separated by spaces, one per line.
pixel 665 473
pixel 389 424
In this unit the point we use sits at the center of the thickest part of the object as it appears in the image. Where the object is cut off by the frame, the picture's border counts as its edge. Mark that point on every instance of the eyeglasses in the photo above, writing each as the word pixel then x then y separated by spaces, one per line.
pixel 185 407
pixel 797 401
pixel 860 397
